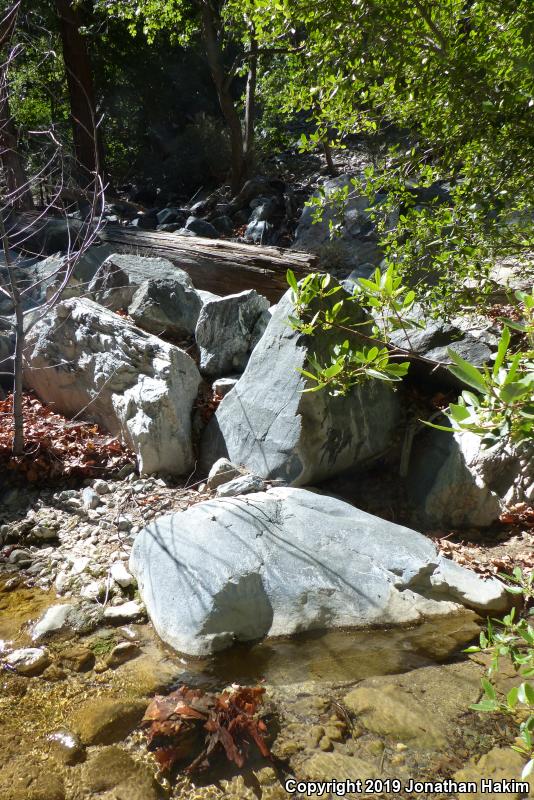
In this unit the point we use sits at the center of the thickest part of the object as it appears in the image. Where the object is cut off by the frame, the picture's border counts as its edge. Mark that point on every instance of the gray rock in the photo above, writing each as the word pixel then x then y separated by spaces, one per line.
pixel 201 227
pixel 123 613
pixel 121 275
pixel 259 232
pixel 145 222
pixel 47 275
pixel 90 498
pixel 101 487
pixel 358 240
pixel 170 215
pixel 169 306
pixel 55 619
pixel 83 358
pixel 225 331
pixel 222 472
pixel 207 297
pixel 120 575
pixel 287 561
pixel 223 225
pixel 243 484
pixel 253 188
pixel 28 660
pixel 184 232
pixel 454 481
pixel 437 336
pixel 275 430
pixel 7 349
pixel 170 227
pixel 222 386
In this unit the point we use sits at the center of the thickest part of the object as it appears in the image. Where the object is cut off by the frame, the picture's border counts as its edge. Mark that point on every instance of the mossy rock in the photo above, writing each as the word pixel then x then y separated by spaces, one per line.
pixel 105 720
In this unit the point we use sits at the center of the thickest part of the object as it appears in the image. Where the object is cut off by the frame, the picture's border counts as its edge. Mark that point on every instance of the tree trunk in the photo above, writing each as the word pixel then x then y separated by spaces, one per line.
pixel 328 156
pixel 250 103
pixel 87 145
pixel 18 414
pixel 18 189
pixel 226 102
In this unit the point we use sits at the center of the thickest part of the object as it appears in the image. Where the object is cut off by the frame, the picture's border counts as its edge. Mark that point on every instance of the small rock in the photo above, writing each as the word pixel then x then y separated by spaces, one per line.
pixel 222 386
pixel 101 487
pixel 122 653
pixel 77 658
pixel 124 523
pixel 244 484
pixel 53 620
pixel 221 472
pixel 105 720
pixel 66 747
pixel 44 533
pixel 123 613
pixel 113 769
pixel 19 556
pixel 96 590
pixel 201 228
pixel 120 574
pixel 90 498
pixel 79 565
pixel 28 660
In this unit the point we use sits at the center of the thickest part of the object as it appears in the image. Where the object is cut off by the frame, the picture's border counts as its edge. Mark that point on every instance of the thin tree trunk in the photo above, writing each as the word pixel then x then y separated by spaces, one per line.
pixel 87 143
pixel 19 194
pixel 18 191
pixel 328 156
pixel 18 414
pixel 226 102
pixel 250 102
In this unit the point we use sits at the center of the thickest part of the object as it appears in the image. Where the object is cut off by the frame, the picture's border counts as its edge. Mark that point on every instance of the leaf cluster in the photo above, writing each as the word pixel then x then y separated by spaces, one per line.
pixel 512 639
pixel 192 725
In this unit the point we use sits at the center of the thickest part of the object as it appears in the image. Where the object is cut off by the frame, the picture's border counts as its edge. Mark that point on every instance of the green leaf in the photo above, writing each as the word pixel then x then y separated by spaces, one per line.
pixel 489 689
pixel 485 705
pixel 466 372
pixel 292 281
pixel 512 697
pixel 501 351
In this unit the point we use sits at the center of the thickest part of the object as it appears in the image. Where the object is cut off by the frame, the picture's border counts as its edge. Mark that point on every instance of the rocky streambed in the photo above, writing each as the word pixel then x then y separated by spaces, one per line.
pixel 345 705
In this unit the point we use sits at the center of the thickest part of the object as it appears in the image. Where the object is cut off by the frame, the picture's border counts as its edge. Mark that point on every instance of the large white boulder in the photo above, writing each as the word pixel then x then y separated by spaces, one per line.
pixel 85 360
pixel 268 424
pixel 286 561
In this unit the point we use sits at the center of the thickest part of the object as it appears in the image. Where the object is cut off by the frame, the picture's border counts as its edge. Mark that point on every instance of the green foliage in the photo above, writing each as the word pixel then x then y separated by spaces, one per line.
pixel 500 408
pixel 362 355
pixel 455 80
pixel 503 406
pixel 512 639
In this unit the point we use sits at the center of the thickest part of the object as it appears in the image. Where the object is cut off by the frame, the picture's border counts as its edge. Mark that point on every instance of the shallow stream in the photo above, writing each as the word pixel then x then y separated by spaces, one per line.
pixel 416 722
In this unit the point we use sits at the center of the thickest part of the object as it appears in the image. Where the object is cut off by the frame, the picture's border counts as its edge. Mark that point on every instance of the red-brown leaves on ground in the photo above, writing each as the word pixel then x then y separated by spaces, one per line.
pixel 520 514
pixel 56 447
pixel 190 724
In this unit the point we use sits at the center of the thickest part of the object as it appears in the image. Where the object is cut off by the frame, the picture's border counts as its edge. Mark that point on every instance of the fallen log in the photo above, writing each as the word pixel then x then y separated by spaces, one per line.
pixel 217 265
pixel 220 266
